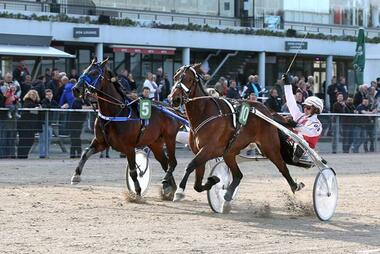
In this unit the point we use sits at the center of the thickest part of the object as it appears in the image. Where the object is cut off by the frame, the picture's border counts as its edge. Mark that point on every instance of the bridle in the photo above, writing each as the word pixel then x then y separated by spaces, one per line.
pixel 187 90
pixel 91 86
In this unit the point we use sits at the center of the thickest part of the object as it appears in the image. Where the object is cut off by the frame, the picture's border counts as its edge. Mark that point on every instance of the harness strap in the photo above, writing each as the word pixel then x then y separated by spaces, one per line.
pixel 118 118
pixel 209 120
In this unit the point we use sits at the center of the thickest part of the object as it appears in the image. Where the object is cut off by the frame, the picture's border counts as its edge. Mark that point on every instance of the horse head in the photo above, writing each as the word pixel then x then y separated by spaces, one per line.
pixel 187 84
pixel 91 79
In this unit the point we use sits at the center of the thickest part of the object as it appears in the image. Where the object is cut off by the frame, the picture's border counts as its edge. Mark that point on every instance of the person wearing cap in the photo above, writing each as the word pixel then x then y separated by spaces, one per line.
pixel 306 124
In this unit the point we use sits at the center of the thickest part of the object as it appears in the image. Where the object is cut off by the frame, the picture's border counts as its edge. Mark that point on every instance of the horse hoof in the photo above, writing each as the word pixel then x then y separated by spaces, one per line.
pixel 227 196
pixel 298 187
pixel 168 193
pixel 227 207
pixel 75 179
pixel 179 195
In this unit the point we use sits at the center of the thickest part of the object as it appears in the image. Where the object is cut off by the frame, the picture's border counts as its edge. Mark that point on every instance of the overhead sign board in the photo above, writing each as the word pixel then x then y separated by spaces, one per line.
pixel 86 32
pixel 295 45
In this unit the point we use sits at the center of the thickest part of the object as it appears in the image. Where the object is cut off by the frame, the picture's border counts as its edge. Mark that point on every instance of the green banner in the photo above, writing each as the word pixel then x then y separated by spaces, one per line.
pixel 244 113
pixel 359 59
pixel 145 109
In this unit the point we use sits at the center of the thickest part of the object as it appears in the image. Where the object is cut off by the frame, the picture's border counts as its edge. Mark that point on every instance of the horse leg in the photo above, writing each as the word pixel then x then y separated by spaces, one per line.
pixel 159 154
pixel 170 148
pixel 237 175
pixel 131 157
pixel 94 148
pixel 199 160
pixel 274 154
pixel 199 173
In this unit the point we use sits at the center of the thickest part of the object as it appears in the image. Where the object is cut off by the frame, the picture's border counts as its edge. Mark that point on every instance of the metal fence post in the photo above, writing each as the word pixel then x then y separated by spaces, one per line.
pixel 375 130
pixel 335 130
pixel 46 133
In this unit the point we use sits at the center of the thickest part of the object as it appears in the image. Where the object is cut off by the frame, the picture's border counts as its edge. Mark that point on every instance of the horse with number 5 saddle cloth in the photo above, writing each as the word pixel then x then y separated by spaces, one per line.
pixel 214 133
pixel 119 125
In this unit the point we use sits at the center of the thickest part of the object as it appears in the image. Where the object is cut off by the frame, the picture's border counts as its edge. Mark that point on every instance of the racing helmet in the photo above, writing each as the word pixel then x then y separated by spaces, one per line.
pixel 314 101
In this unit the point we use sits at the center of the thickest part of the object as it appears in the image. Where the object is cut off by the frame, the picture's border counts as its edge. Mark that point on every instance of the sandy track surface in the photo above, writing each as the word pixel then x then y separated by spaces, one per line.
pixel 41 212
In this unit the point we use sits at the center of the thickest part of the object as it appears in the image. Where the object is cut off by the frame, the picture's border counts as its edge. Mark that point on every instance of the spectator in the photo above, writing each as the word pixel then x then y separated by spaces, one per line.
pixel 73 74
pixel 333 90
pixel 67 97
pixel 342 85
pixel 47 130
pixel 39 86
pixel 310 86
pixel 360 94
pixel 302 89
pixel 47 76
pixel 278 87
pixel 298 97
pixel 3 130
pixel 61 87
pixel 233 92
pixel 338 107
pixel 146 93
pixel 54 84
pixel 252 86
pixel 360 130
pixel 12 92
pixel 223 81
pixel 294 83
pixel 165 86
pixel 20 72
pixel 148 83
pixel 159 75
pixel 219 89
pixel 26 86
pixel 124 82
pixel 274 102
pixel 76 122
pixel 132 82
pixel 348 124
pixel 371 93
pixel 369 138
pixel 29 124
pixel 252 97
pixel 158 88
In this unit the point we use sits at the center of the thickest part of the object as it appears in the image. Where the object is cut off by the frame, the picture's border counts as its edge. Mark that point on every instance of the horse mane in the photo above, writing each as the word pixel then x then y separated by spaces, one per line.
pixel 200 73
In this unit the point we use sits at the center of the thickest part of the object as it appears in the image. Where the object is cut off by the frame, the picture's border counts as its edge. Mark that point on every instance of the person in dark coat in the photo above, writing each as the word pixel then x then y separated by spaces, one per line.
pixel 132 82
pixel 28 125
pixel 233 92
pixel 76 120
pixel 274 102
pixel 47 129
pixel 123 80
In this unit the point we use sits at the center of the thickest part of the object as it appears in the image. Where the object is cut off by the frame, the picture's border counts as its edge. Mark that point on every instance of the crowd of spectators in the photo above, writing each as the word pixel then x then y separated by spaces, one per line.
pixel 51 90
pixel 54 90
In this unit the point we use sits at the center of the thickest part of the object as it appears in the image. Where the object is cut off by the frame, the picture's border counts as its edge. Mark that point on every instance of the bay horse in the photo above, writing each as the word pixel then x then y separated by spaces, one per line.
pixel 118 126
pixel 213 133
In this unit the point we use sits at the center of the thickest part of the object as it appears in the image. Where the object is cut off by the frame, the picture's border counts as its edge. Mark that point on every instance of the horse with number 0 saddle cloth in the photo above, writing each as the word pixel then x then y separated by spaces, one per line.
pixel 216 133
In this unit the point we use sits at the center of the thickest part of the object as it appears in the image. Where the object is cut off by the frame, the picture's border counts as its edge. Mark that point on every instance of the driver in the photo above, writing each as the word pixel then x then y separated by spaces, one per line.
pixel 306 124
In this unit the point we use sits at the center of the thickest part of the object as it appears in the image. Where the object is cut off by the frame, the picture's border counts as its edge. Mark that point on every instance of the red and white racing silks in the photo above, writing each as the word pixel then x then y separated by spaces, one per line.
pixel 309 127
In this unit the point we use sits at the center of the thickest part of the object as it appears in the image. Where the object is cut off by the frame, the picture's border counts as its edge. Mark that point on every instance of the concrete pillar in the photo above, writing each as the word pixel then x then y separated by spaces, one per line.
pixel 329 75
pixel 186 56
pixel 262 69
pixel 375 16
pixel 99 51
